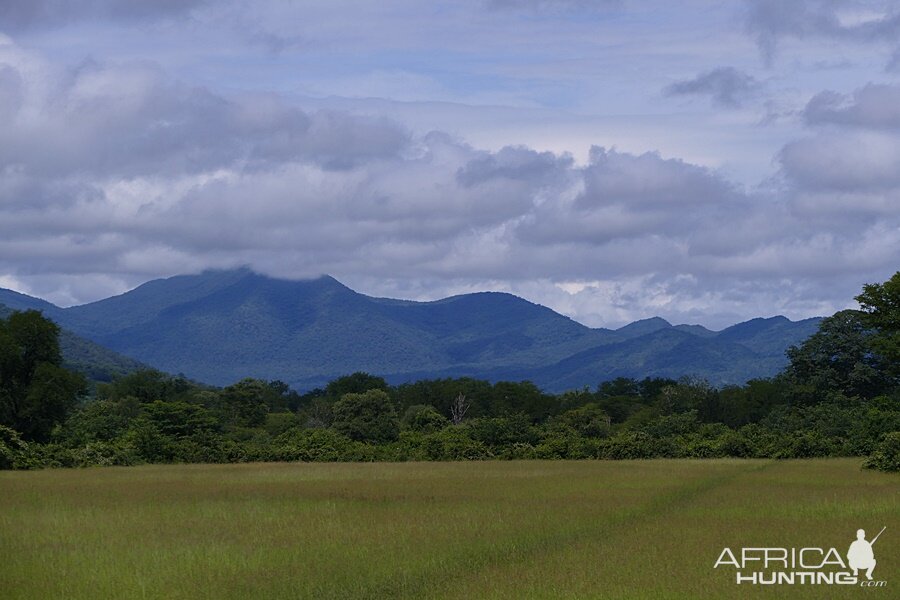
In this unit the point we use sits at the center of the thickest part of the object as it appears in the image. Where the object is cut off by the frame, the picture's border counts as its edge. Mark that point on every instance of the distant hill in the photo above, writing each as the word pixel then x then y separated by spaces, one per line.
pixel 220 326
pixel 84 356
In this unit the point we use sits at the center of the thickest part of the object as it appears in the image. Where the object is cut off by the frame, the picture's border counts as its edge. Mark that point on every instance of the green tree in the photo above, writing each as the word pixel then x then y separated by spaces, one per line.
pixel 423 418
pixel 357 383
pixel 589 421
pixel 838 358
pixel 147 385
pixel 36 393
pixel 180 419
pixel 366 417
pixel 887 455
pixel 246 403
pixel 880 304
pixel 100 421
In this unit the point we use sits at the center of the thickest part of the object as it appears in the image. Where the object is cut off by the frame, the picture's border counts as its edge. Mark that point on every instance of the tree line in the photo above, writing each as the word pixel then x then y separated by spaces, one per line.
pixel 838 396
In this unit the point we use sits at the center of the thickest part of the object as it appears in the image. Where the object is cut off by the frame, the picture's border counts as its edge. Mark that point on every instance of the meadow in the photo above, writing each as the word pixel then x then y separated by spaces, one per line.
pixel 529 529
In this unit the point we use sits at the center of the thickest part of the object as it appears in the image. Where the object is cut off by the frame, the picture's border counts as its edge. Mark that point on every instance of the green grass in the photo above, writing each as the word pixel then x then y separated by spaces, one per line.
pixel 588 529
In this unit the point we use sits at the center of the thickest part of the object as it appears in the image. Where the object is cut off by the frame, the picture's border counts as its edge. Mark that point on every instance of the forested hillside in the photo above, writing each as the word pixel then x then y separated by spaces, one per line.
pixel 218 327
pixel 838 396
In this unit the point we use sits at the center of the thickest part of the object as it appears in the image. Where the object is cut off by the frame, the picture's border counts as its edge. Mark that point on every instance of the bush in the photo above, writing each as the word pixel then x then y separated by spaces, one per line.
pixel 564 445
pixel 498 432
pixel 638 444
pixel 105 454
pixel 453 443
pixel 518 451
pixel 887 454
pixel 736 445
pixel 320 445
pixel 12 449
pixel 809 444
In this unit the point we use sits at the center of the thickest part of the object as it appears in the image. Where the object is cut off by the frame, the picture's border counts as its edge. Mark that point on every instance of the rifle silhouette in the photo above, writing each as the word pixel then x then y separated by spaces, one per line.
pixel 877 536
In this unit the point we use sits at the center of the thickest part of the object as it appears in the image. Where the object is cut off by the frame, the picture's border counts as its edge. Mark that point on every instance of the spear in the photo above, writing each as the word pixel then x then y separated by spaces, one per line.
pixel 879 533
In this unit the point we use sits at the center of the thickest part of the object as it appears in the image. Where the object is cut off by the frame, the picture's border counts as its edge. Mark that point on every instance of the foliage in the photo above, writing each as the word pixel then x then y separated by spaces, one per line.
pixel 320 445
pixel 837 358
pixel 588 421
pixel 246 403
pixel 423 418
pixel 887 454
pixel 837 397
pixel 366 417
pixel 880 304
pixel 36 392
pixel 12 448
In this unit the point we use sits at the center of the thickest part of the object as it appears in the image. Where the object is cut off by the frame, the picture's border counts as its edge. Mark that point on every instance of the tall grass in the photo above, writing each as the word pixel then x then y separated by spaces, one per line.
pixel 588 529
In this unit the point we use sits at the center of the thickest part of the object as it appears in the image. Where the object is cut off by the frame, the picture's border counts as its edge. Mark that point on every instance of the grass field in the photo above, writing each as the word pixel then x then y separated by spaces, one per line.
pixel 588 529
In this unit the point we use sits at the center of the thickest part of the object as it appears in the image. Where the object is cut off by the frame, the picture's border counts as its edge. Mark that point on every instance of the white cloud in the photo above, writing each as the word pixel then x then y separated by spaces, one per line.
pixel 112 173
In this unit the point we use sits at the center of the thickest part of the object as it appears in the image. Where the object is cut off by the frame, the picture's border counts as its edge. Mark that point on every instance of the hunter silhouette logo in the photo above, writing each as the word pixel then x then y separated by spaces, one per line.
pixel 807 565
pixel 860 556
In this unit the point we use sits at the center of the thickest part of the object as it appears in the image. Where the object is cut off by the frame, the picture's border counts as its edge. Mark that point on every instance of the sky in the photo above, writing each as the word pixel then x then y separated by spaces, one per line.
pixel 706 162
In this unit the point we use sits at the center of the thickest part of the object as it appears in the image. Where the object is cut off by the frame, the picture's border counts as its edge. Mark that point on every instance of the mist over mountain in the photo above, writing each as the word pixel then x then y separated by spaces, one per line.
pixel 220 326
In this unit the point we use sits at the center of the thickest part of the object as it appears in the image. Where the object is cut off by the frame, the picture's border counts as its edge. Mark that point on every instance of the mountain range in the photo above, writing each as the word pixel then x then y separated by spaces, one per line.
pixel 220 326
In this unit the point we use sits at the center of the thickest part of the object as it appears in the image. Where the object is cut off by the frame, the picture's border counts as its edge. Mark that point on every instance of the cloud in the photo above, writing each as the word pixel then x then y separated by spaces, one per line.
pixel 772 21
pixel 555 5
pixel 844 161
pixel 726 86
pixel 39 14
pixel 873 106
pixel 112 173
pixel 854 148
pixel 131 120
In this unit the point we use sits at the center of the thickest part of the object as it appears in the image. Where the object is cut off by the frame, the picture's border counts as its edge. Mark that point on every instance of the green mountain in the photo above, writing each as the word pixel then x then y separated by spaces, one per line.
pixel 220 326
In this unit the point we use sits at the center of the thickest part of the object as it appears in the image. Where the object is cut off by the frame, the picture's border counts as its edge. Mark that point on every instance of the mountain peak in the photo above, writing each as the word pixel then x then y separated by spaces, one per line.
pixel 220 325
pixel 18 301
pixel 643 327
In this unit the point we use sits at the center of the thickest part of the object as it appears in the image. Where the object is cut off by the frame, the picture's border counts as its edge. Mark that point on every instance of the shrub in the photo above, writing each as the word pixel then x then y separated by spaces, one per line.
pixel 638 444
pixel 887 454
pixel 498 432
pixel 809 444
pixel 453 443
pixel 12 449
pixel 105 454
pixel 320 445
pixel 563 445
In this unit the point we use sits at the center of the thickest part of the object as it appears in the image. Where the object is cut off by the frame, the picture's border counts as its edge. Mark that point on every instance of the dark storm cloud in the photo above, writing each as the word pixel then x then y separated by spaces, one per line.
pixel 725 86
pixel 771 21
pixel 26 14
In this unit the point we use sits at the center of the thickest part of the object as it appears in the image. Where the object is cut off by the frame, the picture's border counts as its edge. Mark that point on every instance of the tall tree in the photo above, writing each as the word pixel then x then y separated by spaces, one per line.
pixel 36 393
pixel 366 417
pixel 880 304
pixel 839 357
